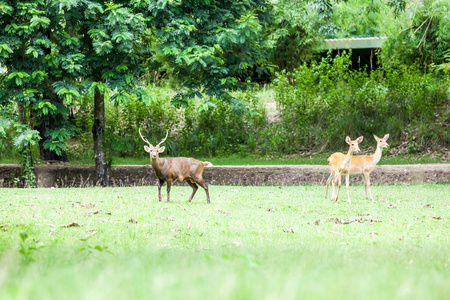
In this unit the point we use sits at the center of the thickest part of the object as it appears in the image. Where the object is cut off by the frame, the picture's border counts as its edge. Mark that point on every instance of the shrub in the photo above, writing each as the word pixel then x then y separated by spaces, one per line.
pixel 324 101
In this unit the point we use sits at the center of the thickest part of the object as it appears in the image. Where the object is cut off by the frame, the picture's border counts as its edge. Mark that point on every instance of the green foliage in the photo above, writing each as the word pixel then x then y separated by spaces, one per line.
pixel 228 128
pixel 357 18
pixel 26 250
pixel 323 102
pixel 324 11
pixel 422 33
pixel 207 128
pixel 294 33
pixel 211 47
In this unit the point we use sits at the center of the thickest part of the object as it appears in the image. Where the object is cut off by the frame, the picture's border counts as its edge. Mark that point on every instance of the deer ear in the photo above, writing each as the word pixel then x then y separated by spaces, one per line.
pixel 386 136
pixel 147 149
pixel 348 140
pixel 360 139
pixel 161 149
pixel 377 138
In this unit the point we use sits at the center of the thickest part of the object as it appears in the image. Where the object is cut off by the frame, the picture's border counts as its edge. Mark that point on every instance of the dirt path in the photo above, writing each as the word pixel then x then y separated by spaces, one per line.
pixel 82 176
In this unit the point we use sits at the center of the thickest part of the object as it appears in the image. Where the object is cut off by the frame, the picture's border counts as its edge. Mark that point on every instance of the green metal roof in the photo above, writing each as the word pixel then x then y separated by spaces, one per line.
pixel 354 43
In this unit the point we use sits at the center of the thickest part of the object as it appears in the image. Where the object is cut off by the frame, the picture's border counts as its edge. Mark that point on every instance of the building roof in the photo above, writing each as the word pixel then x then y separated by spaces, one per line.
pixel 354 43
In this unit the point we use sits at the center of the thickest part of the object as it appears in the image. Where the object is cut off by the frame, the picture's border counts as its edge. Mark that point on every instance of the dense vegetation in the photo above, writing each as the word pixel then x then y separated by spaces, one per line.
pixel 80 77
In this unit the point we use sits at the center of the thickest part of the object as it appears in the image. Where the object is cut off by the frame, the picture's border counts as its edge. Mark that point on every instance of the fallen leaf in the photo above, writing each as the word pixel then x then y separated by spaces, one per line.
pixel 289 230
pixel 132 221
pixel 73 224
pixel 317 222
pixel 375 220
pixel 392 206
pixel 428 205
pixel 189 226
pixel 96 212
pixel 107 213
pixel 4 225
pixel 438 218
pixel 87 205
pixel 88 236
pixel 271 209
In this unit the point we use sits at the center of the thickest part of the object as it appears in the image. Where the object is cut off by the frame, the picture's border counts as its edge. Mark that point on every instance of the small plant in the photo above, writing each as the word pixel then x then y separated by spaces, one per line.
pixel 27 250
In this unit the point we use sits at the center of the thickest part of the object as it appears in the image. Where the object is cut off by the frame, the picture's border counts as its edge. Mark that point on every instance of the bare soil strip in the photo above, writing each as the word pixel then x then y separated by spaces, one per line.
pixel 83 176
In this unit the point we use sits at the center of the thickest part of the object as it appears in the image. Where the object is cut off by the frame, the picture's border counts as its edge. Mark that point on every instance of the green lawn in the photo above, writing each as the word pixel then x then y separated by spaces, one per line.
pixel 317 159
pixel 249 243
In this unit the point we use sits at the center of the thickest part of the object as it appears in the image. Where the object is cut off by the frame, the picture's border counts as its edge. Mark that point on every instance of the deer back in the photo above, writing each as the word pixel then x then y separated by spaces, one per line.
pixel 178 168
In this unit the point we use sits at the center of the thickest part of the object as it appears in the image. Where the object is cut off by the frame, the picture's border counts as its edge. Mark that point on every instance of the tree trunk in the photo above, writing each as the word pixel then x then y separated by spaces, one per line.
pixel 26 152
pixel 98 130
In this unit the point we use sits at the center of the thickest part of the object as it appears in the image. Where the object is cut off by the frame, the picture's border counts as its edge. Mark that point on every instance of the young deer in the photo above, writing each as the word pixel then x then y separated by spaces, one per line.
pixel 179 169
pixel 363 164
pixel 342 166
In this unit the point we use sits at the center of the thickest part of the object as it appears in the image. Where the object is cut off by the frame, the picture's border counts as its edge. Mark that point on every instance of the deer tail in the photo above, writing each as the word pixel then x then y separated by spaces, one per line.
pixel 207 164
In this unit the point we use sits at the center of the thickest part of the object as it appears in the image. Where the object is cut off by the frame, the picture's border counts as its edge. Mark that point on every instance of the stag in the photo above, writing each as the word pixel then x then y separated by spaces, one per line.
pixel 173 169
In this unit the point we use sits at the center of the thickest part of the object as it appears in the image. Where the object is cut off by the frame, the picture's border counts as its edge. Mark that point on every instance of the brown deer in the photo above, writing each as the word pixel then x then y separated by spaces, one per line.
pixel 363 164
pixel 342 166
pixel 179 169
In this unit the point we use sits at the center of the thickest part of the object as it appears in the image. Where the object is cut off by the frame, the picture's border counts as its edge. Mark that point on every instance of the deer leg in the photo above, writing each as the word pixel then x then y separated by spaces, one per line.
pixel 365 183
pixel 333 185
pixel 328 183
pixel 339 177
pixel 194 189
pixel 205 187
pixel 367 176
pixel 347 179
pixel 160 184
pixel 169 185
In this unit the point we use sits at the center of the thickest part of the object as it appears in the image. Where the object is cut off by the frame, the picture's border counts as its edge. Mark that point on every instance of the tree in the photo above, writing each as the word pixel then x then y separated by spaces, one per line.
pixel 422 34
pixel 213 47
pixel 295 31
pixel 31 35
pixel 77 46
pixel 113 48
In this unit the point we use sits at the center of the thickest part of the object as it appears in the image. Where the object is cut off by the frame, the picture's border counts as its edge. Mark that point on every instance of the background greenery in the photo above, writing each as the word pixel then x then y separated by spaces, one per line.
pixel 243 81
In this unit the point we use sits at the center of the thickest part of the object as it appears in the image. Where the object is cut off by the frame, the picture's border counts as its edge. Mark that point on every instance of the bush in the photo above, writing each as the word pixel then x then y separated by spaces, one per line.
pixel 323 102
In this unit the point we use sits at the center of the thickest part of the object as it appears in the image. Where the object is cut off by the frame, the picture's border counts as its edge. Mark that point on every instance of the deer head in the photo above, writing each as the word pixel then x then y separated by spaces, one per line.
pixel 382 142
pixel 154 150
pixel 354 144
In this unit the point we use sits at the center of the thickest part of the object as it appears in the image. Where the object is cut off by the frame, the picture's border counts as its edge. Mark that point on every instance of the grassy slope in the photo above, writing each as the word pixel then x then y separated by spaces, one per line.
pixel 250 243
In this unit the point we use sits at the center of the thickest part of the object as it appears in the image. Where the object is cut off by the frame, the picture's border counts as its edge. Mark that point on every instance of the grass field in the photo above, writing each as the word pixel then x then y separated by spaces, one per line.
pixel 249 243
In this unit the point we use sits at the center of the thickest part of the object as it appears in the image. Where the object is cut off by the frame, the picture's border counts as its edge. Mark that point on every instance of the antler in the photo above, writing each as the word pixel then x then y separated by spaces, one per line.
pixel 144 139
pixel 167 134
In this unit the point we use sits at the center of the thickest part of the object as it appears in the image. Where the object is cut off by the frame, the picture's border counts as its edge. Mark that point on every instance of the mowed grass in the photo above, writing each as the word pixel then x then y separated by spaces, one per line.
pixel 249 243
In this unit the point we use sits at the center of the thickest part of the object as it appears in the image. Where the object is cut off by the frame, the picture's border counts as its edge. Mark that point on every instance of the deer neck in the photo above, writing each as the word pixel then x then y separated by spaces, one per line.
pixel 157 163
pixel 377 155
pixel 347 159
